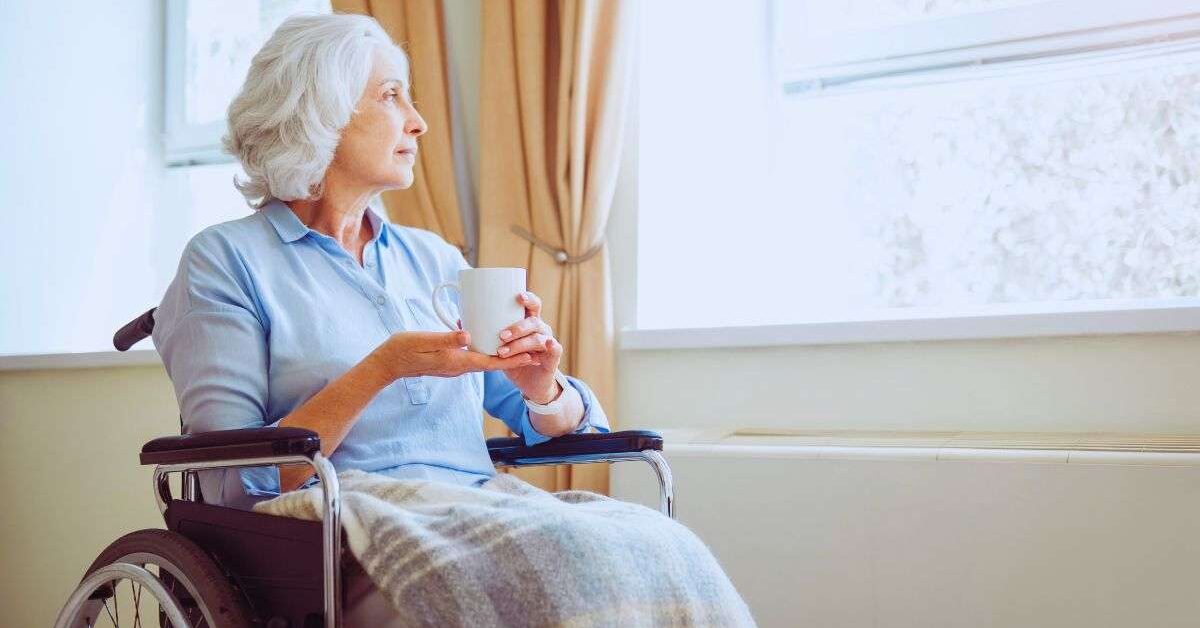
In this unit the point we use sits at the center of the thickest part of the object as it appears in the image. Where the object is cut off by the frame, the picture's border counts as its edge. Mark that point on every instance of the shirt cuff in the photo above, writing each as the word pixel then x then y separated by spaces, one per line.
pixel 260 483
pixel 593 416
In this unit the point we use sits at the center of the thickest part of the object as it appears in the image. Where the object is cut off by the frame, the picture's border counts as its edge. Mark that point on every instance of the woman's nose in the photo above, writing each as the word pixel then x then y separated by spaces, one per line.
pixel 416 124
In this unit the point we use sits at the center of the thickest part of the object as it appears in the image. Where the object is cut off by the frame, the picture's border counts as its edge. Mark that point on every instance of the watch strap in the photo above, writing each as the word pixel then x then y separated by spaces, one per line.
pixel 555 404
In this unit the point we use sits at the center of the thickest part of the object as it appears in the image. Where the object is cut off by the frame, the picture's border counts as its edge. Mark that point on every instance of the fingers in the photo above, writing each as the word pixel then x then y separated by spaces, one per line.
pixel 457 361
pixel 532 303
pixel 549 350
pixel 476 361
pixel 523 328
pixel 533 343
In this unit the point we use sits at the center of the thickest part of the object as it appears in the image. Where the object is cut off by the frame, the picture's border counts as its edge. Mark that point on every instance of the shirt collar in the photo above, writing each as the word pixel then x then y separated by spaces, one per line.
pixel 286 224
pixel 378 224
pixel 290 229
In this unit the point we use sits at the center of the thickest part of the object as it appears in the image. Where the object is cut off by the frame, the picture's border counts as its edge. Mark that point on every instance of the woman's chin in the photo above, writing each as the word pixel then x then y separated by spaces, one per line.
pixel 401 181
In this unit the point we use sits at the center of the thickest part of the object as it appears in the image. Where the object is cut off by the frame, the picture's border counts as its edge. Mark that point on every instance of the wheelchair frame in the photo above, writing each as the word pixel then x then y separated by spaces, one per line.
pixel 220 450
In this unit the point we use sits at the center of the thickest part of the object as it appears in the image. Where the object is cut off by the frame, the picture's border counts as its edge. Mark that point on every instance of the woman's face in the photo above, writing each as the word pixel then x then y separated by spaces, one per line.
pixel 378 148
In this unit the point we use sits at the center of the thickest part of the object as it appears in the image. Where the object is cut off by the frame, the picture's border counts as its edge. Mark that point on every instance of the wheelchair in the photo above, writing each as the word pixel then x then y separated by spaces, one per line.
pixel 218 566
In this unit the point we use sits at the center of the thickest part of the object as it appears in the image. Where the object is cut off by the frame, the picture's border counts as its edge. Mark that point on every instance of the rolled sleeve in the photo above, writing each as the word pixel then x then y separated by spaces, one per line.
pixel 217 360
pixel 503 400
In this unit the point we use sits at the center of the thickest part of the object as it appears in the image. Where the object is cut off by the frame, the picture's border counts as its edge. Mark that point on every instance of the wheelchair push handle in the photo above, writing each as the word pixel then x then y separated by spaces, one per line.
pixel 134 331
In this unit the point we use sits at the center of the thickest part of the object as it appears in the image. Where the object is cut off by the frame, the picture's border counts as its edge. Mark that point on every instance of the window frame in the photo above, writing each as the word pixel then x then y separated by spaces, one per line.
pixel 1021 320
pixel 818 58
pixel 184 144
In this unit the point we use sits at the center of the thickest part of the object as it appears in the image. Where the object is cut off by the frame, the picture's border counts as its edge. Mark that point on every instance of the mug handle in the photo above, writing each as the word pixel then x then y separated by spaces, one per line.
pixel 437 307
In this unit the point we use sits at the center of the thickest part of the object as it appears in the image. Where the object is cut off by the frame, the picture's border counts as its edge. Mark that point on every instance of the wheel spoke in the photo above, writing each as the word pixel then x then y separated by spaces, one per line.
pixel 106 609
pixel 137 605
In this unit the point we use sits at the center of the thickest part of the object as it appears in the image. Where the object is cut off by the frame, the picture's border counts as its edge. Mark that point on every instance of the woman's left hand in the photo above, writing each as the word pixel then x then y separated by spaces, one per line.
pixel 533 336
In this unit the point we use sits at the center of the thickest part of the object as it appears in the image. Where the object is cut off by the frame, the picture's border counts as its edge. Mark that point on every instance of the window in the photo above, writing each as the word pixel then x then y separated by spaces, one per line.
pixel 850 161
pixel 209 47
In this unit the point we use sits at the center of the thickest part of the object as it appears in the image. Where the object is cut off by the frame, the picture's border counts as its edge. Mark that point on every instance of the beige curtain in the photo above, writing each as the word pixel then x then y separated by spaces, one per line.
pixel 555 76
pixel 432 201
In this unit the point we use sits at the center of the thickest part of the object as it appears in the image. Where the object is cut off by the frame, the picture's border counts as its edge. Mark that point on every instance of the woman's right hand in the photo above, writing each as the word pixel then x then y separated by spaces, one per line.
pixel 441 354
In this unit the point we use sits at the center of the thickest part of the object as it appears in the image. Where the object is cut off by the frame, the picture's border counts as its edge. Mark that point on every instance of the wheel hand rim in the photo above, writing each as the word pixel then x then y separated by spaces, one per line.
pixel 114 573
pixel 175 578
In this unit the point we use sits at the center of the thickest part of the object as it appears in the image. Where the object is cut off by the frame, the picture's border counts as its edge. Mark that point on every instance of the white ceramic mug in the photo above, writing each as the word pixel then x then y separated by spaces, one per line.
pixel 489 304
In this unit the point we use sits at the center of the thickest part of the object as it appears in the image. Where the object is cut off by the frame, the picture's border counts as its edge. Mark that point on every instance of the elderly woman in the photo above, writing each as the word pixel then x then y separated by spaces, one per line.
pixel 315 311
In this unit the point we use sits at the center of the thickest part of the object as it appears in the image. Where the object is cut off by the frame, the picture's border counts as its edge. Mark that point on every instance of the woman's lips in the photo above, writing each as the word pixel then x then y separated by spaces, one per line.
pixel 409 154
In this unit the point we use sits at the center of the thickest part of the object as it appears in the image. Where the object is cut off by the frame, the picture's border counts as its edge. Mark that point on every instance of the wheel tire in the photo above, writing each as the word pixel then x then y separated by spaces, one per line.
pixel 213 589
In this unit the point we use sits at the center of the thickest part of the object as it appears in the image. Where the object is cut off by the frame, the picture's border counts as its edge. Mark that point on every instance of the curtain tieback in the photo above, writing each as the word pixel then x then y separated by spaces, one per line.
pixel 559 255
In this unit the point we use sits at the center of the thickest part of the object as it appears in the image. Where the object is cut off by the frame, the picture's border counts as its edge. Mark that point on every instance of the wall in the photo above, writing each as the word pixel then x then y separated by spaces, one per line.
pixel 69 476
pixel 1113 383
pixel 944 544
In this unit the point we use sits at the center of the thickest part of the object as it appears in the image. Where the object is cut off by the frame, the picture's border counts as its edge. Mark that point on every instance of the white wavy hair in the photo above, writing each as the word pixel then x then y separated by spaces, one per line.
pixel 299 94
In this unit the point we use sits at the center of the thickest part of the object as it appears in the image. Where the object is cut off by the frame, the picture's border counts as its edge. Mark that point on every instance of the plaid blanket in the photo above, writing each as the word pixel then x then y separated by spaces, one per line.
pixel 511 554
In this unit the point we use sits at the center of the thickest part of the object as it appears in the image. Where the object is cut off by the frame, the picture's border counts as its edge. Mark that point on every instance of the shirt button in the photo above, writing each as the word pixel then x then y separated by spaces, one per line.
pixel 370 263
pixel 381 299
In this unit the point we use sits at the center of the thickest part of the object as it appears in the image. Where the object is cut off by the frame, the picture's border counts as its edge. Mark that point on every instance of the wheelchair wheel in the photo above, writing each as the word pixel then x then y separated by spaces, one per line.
pixel 155 574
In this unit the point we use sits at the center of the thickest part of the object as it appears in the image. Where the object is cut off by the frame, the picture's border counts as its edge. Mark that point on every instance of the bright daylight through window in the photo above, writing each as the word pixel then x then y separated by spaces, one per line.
pixel 842 160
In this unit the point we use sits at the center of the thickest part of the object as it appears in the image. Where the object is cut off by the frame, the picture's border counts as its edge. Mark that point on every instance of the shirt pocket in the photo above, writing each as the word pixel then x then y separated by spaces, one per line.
pixel 423 319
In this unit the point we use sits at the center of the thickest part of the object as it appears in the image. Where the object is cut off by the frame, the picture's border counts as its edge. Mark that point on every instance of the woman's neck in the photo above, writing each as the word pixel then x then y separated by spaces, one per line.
pixel 340 216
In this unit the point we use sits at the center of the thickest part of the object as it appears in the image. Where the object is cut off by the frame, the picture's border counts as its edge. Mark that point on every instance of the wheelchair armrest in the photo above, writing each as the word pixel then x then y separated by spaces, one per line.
pixel 513 451
pixel 252 442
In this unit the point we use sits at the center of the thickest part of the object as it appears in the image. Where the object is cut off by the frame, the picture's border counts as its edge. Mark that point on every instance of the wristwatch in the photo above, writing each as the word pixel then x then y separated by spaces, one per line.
pixel 555 404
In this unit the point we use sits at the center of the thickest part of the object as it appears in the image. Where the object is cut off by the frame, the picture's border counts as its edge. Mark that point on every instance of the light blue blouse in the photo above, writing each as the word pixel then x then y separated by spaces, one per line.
pixel 264 312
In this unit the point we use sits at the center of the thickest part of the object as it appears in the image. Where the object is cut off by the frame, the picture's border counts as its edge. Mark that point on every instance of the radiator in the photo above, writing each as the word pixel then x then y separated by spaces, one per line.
pixel 838 528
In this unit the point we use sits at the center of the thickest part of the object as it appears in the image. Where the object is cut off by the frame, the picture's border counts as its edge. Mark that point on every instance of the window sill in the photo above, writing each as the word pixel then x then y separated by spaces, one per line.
pixel 1084 318
pixel 97 359
pixel 1049 447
